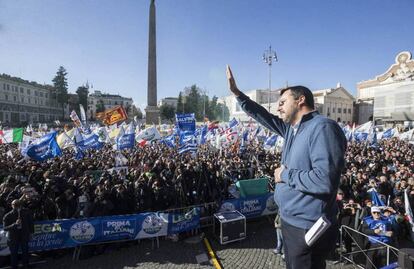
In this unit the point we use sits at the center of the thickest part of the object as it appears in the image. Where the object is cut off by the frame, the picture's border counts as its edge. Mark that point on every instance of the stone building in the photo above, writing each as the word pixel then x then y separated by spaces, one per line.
pixel 335 103
pixel 390 96
pixel 108 101
pixel 23 102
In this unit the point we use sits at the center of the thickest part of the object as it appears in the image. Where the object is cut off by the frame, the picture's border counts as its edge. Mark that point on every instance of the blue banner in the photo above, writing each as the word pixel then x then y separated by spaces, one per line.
pixel 186 122
pixel 43 148
pixel 90 142
pixel 60 234
pixel 251 207
pixel 184 222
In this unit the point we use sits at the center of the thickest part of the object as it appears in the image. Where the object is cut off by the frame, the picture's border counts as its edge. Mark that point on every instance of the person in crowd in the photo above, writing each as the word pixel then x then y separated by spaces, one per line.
pixel 18 223
pixel 379 231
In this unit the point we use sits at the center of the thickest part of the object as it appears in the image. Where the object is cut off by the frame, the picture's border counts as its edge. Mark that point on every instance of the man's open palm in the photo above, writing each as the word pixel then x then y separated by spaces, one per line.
pixel 232 83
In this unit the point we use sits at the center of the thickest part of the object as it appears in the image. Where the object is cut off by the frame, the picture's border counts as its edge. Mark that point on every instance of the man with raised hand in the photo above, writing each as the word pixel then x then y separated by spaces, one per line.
pixel 308 177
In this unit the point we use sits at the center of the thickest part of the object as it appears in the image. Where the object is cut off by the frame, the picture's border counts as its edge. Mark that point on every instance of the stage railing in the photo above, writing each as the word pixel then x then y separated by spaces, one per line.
pixel 359 254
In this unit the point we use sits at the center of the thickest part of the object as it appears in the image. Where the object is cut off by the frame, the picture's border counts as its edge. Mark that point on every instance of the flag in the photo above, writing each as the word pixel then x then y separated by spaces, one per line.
pixel 43 148
pixel 388 133
pixel 189 147
pixel 74 117
pixel 148 134
pixel 373 141
pixel 112 115
pixel 233 123
pixel 376 200
pixel 120 160
pixel 203 135
pixel 186 122
pixel 11 136
pixel 359 137
pixel 270 141
pixel 127 140
pixel 169 141
pixel 90 141
pixel 408 211
pixel 64 141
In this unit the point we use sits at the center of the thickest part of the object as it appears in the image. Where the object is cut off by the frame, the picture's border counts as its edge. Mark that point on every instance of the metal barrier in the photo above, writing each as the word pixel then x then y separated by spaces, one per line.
pixel 361 248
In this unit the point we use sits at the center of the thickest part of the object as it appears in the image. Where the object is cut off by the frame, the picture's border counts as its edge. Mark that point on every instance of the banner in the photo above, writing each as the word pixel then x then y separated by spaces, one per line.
pixel 43 148
pixel 186 122
pixel 251 207
pixel 112 115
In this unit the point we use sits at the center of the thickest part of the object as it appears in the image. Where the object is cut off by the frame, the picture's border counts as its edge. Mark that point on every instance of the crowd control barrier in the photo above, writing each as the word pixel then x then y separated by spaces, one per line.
pixel 359 256
pixel 71 233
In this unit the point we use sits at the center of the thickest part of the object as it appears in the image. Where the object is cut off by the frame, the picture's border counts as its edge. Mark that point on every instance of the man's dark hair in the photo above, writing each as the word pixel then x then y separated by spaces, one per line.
pixel 298 91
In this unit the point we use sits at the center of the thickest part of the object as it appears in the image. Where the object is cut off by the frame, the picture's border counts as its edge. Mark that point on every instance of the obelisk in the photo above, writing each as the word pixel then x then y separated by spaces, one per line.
pixel 152 112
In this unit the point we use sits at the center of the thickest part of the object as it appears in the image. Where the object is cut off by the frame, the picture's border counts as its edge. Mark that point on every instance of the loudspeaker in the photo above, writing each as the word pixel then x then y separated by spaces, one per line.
pixel 229 226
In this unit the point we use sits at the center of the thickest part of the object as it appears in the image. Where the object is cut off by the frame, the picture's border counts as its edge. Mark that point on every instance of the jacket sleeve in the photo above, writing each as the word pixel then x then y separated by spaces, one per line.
pixel 261 115
pixel 327 149
pixel 366 230
pixel 7 224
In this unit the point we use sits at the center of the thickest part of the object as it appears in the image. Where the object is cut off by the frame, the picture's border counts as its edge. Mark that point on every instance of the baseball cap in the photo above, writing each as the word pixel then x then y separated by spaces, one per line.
pixel 375 209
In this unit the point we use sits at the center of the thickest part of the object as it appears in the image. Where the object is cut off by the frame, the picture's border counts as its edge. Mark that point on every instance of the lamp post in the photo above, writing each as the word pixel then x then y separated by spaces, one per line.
pixel 269 56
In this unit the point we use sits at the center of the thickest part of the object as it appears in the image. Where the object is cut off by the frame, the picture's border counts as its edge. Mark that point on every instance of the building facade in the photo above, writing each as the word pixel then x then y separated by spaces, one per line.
pixel 391 93
pixel 335 103
pixel 259 96
pixel 171 101
pixel 23 102
pixel 96 99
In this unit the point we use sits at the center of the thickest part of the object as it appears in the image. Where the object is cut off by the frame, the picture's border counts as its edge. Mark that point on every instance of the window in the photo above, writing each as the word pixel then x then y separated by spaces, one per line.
pixel 35 93
pixel 46 95
pixel 28 91
pixel 4 86
pixel 349 111
pixel 22 99
pixel 40 94
pixel 35 101
pixel 339 110
pixel 333 110
pixel 6 97
pixel 21 90
pixel 8 87
pixel 15 98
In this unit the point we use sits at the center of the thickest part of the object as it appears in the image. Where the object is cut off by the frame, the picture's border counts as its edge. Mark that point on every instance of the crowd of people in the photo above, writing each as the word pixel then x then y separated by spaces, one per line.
pixel 157 178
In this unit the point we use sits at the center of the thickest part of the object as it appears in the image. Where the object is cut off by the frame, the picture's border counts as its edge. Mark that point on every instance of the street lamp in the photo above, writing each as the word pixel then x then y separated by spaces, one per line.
pixel 269 56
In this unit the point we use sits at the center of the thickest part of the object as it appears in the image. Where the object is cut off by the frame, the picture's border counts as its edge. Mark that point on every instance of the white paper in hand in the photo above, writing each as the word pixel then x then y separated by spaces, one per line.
pixel 316 231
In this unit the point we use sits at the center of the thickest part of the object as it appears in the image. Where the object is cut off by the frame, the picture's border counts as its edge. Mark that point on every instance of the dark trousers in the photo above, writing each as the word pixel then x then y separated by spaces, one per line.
pixel 377 256
pixel 14 253
pixel 298 255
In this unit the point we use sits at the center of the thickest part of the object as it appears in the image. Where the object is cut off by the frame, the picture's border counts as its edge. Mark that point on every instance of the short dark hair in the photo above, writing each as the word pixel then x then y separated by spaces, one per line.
pixel 298 91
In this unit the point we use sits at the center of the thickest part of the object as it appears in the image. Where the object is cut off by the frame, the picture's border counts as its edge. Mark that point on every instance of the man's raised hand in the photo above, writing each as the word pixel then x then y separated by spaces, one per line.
pixel 232 83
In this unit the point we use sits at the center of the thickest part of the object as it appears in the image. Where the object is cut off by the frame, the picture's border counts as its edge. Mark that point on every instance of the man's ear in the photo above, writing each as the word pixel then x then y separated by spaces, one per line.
pixel 301 100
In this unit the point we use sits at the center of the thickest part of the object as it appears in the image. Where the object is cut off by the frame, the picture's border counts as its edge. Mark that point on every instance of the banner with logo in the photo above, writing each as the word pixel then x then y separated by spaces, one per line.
pixel 186 122
pixel 118 228
pixel 186 221
pixel 251 207
pixel 151 225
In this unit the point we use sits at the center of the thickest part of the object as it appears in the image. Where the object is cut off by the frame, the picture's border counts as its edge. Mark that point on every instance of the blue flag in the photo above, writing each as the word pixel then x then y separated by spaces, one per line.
pixel 203 135
pixel 127 140
pixel 233 123
pixel 271 141
pixel 376 200
pixel 189 147
pixel 43 148
pixel 169 141
pixel 359 137
pixel 388 133
pixel 89 142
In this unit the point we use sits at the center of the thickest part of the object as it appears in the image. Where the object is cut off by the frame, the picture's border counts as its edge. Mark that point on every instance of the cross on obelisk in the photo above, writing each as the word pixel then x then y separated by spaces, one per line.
pixel 152 112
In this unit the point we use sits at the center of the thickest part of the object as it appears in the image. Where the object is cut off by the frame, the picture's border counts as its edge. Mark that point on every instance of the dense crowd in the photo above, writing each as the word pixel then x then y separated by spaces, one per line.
pixel 157 178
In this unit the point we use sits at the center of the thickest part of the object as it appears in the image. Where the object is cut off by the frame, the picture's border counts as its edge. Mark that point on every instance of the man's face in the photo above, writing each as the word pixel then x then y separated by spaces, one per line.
pixel 376 215
pixel 288 107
